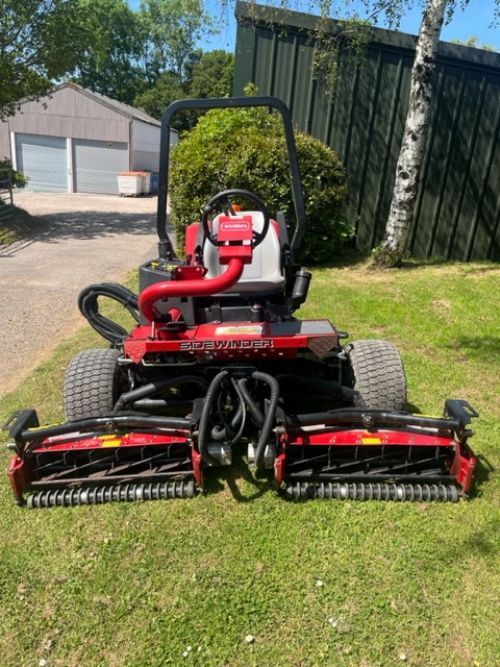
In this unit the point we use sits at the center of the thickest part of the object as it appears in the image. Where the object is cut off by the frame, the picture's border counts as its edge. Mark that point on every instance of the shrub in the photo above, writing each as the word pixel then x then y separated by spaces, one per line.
pixel 18 179
pixel 246 148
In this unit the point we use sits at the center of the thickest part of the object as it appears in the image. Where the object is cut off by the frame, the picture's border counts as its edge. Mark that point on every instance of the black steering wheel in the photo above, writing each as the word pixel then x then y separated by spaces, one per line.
pixel 222 200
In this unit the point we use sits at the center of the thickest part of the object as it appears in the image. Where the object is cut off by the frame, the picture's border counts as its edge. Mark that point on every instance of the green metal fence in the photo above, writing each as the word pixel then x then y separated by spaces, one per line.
pixel 6 199
pixel 458 209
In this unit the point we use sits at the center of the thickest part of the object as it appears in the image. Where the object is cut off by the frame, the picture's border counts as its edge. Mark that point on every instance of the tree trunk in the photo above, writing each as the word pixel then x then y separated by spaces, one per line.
pixel 391 251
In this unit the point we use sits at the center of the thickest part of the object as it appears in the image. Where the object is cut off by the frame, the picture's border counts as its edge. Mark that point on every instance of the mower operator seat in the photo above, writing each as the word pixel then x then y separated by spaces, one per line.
pixel 264 273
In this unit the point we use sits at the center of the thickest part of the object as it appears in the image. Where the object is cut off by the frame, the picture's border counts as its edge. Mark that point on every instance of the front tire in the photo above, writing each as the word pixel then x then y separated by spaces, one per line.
pixel 378 374
pixel 92 384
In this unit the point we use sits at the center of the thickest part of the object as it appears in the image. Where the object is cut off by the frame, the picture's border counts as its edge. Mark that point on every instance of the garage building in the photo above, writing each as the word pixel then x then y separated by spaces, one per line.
pixel 76 140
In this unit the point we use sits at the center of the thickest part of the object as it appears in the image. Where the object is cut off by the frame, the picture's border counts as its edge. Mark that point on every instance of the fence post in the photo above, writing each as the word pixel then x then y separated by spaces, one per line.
pixel 6 197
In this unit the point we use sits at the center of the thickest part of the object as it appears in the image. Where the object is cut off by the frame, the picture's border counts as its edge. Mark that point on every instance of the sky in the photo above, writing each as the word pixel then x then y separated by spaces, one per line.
pixel 473 21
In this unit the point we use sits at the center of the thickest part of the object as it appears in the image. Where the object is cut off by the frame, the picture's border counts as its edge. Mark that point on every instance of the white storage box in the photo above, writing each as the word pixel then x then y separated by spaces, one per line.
pixel 130 183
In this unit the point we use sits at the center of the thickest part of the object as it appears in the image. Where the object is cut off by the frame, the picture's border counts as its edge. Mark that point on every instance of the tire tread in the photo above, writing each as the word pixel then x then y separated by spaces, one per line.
pixel 379 374
pixel 90 383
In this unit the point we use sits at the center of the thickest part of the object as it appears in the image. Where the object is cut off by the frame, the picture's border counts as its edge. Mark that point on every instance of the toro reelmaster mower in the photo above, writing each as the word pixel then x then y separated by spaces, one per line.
pixel 217 361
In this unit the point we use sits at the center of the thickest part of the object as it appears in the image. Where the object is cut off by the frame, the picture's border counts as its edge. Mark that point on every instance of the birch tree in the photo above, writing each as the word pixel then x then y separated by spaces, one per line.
pixel 391 251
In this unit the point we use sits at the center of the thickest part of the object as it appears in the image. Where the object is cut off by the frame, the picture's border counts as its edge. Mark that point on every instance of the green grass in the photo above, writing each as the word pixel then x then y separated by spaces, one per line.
pixel 19 224
pixel 137 584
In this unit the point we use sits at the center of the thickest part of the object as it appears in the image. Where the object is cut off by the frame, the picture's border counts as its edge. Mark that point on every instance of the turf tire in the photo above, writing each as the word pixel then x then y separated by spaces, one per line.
pixel 92 384
pixel 378 374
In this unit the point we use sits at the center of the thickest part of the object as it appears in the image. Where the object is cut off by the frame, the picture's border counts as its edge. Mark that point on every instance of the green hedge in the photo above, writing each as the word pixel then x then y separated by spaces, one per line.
pixel 246 148
pixel 18 179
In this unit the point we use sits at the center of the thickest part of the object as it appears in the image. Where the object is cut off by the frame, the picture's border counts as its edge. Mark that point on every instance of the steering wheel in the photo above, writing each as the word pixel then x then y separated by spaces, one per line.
pixel 222 199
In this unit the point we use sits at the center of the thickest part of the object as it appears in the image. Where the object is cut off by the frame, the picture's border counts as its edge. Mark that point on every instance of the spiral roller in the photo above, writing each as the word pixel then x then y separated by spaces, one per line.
pixel 373 491
pixel 97 495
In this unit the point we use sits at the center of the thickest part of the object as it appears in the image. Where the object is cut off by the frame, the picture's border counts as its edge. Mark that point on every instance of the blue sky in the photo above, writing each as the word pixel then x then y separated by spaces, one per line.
pixel 473 21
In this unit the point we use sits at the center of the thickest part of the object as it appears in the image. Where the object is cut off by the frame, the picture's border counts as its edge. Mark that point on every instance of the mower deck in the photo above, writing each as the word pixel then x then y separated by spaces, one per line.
pixel 99 461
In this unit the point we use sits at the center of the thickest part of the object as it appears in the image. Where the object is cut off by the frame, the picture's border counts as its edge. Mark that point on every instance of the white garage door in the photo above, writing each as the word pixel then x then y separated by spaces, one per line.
pixel 96 163
pixel 44 161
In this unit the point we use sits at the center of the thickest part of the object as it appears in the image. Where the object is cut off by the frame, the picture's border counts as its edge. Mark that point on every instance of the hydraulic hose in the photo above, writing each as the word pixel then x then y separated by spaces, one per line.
pixel 89 308
pixel 231 428
pixel 239 433
pixel 252 406
pixel 151 388
pixel 205 415
pixel 270 418
pixel 189 288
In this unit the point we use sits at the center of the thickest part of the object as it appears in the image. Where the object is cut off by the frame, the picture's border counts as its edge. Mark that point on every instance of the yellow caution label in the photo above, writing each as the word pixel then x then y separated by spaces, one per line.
pixel 371 441
pixel 110 441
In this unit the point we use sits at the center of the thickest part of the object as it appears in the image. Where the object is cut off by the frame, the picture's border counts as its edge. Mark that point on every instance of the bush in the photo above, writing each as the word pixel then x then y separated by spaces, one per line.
pixel 18 179
pixel 246 148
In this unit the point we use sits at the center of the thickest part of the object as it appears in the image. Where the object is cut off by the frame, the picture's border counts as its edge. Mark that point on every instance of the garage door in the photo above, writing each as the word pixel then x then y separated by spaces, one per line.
pixel 44 161
pixel 96 163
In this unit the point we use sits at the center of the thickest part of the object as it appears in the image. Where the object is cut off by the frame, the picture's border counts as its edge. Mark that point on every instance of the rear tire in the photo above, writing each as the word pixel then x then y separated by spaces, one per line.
pixel 379 374
pixel 92 384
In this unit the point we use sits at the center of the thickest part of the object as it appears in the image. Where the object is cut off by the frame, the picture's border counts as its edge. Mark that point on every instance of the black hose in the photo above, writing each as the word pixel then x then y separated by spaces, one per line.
pixel 236 426
pixel 151 388
pixel 205 414
pixel 89 308
pixel 229 429
pixel 270 418
pixel 252 406
pixel 242 405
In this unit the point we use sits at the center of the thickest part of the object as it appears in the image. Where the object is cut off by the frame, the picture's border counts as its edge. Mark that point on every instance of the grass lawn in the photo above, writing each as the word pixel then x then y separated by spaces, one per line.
pixel 17 226
pixel 318 583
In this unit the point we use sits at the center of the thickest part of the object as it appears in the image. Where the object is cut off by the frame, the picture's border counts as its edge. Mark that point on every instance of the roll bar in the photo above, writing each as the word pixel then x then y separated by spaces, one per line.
pixel 165 248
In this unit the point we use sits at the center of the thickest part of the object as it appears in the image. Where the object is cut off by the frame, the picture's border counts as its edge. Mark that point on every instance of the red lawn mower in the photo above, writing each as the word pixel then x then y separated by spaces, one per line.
pixel 218 363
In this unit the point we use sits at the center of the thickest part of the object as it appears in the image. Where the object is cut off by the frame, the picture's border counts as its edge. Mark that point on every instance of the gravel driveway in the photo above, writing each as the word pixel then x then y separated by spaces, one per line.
pixel 81 239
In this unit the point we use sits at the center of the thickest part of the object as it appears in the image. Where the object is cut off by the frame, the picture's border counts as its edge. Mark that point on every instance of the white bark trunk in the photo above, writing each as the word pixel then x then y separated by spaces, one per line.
pixel 410 157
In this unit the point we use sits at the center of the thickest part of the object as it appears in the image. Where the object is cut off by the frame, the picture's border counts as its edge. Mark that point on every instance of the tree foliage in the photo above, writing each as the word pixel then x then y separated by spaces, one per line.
pixel 246 148
pixel 155 100
pixel 111 64
pixel 40 41
pixel 173 28
pixel 148 57
pixel 212 76
pixel 206 75
pixel 473 43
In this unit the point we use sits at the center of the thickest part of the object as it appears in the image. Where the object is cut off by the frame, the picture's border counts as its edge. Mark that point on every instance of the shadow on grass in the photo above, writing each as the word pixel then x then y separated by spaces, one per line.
pixel 352 257
pixel 478 348
pixel 20 227
pixel 482 473
pixel 436 262
pixel 218 478
pixel 345 259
